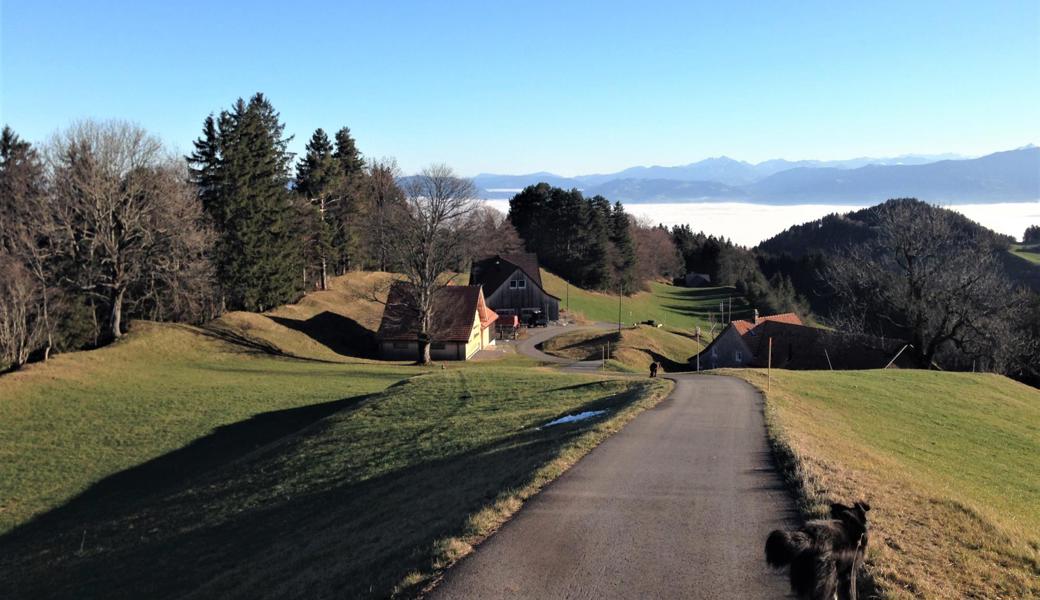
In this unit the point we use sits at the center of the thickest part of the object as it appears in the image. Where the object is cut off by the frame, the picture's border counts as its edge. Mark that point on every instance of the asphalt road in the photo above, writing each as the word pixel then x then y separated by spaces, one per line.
pixel 678 504
pixel 535 336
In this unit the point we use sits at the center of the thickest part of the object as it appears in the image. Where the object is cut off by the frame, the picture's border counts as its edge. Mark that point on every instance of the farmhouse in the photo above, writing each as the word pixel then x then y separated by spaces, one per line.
pixel 513 286
pixel 462 324
pixel 733 347
pixel 797 346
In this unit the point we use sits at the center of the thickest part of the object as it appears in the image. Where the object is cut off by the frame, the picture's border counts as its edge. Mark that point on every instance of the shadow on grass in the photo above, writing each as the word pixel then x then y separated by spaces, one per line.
pixel 340 334
pixel 217 519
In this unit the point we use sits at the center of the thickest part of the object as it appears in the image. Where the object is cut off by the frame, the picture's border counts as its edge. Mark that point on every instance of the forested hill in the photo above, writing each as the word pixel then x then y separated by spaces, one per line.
pixel 837 232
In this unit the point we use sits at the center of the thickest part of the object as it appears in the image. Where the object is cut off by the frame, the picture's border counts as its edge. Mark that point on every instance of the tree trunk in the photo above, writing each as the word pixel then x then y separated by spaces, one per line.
pixel 116 317
pixel 324 273
pixel 424 348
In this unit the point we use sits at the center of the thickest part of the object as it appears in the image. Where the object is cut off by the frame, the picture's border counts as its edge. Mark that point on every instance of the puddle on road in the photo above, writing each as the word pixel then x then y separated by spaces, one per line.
pixel 583 416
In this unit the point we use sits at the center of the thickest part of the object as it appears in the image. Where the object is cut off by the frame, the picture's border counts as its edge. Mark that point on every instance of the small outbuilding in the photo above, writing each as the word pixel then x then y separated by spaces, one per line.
pixel 697 280
pixel 462 324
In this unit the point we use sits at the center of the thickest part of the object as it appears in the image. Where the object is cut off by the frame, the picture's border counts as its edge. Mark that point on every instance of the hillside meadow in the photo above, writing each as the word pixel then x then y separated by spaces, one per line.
pixel 948 462
pixel 260 456
pixel 669 305
pixel 631 350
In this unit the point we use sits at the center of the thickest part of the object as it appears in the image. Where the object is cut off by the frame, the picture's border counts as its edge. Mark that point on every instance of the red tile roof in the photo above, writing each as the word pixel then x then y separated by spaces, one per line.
pixel 743 327
pixel 454 310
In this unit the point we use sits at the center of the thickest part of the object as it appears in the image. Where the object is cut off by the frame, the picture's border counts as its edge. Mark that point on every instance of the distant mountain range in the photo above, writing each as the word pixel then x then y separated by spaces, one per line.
pixel 1008 176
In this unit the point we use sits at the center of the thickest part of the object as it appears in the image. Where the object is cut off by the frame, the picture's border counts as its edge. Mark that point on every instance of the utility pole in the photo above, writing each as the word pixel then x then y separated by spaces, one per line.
pixel 699 348
pixel 324 257
pixel 621 289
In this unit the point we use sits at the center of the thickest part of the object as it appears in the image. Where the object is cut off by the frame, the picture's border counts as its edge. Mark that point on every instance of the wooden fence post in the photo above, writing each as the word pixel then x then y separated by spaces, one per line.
pixel 769 367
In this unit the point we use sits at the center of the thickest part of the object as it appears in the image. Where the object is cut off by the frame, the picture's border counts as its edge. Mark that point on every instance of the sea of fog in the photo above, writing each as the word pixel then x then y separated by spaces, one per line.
pixel 748 224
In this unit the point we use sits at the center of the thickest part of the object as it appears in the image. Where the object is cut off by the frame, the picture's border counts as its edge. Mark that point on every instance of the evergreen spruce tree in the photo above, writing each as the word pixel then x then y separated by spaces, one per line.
pixel 317 178
pixel 596 255
pixel 348 229
pixel 624 250
pixel 241 165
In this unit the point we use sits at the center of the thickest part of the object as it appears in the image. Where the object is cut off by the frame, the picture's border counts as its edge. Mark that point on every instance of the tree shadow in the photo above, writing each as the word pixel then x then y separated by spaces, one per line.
pixel 342 335
pixel 228 517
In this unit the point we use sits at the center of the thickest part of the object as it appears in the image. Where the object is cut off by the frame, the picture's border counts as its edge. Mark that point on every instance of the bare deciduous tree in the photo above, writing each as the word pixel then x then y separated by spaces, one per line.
pixel 123 217
pixel 385 197
pixel 927 281
pixel 429 239
pixel 656 254
pixel 491 233
pixel 21 317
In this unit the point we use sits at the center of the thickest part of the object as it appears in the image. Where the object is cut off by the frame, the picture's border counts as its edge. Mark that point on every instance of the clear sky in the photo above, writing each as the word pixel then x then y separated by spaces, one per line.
pixel 562 86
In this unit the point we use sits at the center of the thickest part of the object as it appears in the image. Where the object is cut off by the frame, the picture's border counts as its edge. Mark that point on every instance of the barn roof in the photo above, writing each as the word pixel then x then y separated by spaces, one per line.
pixel 494 271
pixel 454 309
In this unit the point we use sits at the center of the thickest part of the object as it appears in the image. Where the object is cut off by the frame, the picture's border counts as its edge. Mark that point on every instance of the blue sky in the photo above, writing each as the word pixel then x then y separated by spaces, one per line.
pixel 562 86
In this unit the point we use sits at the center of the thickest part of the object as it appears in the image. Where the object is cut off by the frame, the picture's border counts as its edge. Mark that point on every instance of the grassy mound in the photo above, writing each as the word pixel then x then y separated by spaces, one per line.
pixel 85 415
pixel 666 304
pixel 364 498
pixel 336 324
pixel 631 350
pixel 948 462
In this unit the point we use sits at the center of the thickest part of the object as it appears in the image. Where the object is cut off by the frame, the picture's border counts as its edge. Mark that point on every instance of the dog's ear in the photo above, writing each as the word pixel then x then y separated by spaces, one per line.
pixel 837 509
pixel 862 505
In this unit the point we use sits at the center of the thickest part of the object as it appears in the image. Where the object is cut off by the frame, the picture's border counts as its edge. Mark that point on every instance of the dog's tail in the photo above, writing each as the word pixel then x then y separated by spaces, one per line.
pixel 782 547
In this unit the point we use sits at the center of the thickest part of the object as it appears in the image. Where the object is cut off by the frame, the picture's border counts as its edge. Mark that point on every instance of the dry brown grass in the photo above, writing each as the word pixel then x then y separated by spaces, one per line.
pixel 942 525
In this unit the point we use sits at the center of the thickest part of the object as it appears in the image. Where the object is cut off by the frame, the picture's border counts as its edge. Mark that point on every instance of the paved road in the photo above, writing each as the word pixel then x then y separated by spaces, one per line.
pixel 535 336
pixel 676 505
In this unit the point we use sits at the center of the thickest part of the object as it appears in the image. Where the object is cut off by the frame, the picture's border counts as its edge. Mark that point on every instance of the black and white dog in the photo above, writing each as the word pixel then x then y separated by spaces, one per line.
pixel 824 555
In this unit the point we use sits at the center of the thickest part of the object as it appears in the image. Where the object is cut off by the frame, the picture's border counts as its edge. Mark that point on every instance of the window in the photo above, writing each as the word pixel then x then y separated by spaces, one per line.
pixel 521 284
pixel 512 285
pixel 738 356
pixel 714 352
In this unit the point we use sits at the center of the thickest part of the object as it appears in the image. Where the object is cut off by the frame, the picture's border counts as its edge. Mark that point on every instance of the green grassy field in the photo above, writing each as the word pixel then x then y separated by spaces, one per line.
pixel 1030 253
pixel 86 415
pixel 672 306
pixel 947 460
pixel 354 497
pixel 632 350
pixel 267 455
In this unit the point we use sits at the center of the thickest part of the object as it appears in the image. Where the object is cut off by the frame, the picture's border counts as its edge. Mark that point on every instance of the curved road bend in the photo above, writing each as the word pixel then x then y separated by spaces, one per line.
pixel 675 505
pixel 528 345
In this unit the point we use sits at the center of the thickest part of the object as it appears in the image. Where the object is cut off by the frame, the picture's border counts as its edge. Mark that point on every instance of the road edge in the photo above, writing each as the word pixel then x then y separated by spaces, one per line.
pixel 494 516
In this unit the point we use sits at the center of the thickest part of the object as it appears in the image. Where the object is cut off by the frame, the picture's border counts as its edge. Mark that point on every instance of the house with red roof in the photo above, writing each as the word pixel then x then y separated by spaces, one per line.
pixel 513 286
pixel 798 346
pixel 733 347
pixel 462 324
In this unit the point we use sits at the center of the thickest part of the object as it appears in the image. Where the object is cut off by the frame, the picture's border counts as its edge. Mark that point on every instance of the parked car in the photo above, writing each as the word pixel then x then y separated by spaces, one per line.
pixel 537 318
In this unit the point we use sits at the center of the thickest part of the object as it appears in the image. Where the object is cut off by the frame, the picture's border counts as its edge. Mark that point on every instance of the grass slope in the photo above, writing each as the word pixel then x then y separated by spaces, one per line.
pixel 631 350
pixel 337 324
pixel 372 499
pixel 947 460
pixel 85 415
pixel 673 306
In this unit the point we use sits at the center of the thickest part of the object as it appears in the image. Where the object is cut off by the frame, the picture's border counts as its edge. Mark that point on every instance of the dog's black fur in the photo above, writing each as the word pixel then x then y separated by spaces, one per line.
pixel 823 555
